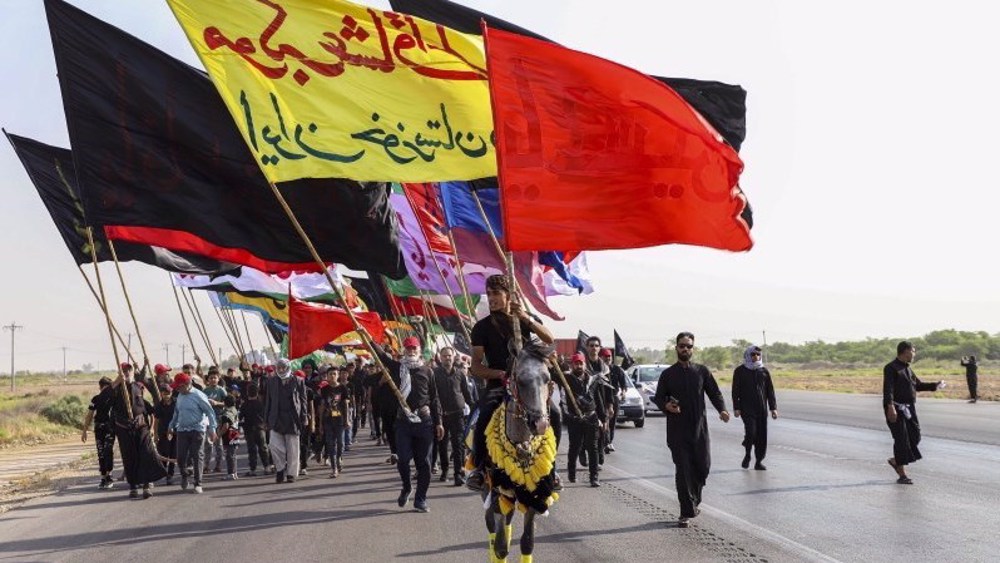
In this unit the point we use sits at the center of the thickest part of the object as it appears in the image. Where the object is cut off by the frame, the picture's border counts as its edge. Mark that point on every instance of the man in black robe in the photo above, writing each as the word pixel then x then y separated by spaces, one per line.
pixel 680 393
pixel 971 377
pixel 131 425
pixel 753 398
pixel 899 396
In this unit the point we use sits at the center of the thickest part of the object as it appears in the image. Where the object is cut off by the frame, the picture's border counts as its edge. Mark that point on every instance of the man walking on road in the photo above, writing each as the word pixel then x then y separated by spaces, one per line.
pixel 99 413
pixel 453 393
pixel 287 414
pixel 753 397
pixel 414 435
pixel 193 416
pixel 680 393
pixel 899 397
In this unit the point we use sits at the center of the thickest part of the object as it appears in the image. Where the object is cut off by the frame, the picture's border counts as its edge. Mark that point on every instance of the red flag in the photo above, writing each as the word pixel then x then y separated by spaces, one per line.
pixel 594 155
pixel 310 327
pixel 427 208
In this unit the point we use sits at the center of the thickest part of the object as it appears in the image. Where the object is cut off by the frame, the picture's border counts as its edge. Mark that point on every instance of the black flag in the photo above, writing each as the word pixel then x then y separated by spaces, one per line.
pixel 581 342
pixel 722 105
pixel 622 352
pixel 160 162
pixel 51 171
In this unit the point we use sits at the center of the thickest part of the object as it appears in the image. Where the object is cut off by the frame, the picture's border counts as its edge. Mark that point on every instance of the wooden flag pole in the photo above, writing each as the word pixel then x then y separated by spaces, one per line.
pixel 462 282
pixel 192 306
pixel 107 318
pixel 431 315
pixel 131 311
pixel 225 330
pixel 247 329
pixel 100 303
pixel 365 337
pixel 270 337
pixel 227 313
pixel 183 318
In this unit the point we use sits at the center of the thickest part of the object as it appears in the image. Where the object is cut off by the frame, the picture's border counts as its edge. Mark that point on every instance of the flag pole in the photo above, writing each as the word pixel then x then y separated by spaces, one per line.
pixel 225 330
pixel 432 317
pixel 227 312
pixel 100 303
pixel 365 337
pixel 131 311
pixel 199 323
pixel 447 286
pixel 246 327
pixel 269 337
pixel 183 318
pixel 107 318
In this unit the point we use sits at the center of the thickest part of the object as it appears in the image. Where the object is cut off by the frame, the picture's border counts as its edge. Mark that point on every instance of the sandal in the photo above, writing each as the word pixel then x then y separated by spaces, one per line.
pixel 904 481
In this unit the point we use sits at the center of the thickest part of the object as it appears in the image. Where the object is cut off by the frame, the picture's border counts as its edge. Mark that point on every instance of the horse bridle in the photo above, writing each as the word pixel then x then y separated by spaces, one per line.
pixel 520 411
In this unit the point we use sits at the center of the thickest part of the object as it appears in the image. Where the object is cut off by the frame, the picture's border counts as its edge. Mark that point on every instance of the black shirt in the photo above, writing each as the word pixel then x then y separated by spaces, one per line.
pixel 252 414
pixel 423 392
pixel 493 333
pixel 971 368
pixel 119 410
pixel 452 390
pixel 164 413
pixel 900 384
pixel 753 391
pixel 100 404
pixel 688 385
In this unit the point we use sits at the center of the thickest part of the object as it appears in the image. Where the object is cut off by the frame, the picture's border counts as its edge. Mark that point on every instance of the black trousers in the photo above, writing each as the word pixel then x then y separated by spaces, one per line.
pixel 389 428
pixel 755 434
pixel 973 381
pixel 454 425
pixel 688 479
pixel 613 421
pixel 582 438
pixel 413 441
pixel 257 448
pixel 488 404
pixel 905 437
pixel 104 438
pixel 168 449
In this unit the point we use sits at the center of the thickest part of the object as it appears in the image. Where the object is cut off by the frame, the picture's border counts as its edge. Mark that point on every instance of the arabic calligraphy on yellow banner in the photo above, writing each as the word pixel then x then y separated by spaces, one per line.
pixel 327 88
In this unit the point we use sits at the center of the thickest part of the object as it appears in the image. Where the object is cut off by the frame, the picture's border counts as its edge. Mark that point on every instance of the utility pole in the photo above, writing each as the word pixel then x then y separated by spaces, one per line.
pixel 12 327
pixel 166 348
pixel 763 355
pixel 64 363
pixel 183 354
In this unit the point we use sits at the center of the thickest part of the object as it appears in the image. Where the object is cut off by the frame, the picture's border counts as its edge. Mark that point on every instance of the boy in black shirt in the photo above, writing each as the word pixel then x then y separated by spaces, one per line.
pixel 99 413
pixel 252 420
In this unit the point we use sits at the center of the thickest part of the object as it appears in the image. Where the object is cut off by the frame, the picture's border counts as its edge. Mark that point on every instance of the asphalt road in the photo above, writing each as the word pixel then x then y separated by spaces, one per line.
pixel 828 495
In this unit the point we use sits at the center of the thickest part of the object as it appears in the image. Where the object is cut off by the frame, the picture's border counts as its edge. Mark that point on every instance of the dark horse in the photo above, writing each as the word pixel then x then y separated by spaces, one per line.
pixel 521 454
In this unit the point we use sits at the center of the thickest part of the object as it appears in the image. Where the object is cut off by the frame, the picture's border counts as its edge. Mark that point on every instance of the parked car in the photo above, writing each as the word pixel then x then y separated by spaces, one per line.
pixel 632 409
pixel 645 377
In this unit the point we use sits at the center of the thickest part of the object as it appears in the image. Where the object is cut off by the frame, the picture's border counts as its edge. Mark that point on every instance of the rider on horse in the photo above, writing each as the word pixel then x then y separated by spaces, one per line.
pixel 490 340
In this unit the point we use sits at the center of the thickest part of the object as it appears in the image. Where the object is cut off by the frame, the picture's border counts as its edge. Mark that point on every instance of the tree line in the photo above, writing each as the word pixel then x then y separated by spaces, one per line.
pixel 944 345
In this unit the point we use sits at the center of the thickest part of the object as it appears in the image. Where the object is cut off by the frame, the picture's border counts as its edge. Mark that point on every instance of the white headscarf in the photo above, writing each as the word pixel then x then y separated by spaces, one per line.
pixel 748 360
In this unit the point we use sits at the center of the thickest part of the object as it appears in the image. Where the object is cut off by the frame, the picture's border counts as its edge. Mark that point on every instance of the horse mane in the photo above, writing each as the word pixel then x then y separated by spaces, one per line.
pixel 538 350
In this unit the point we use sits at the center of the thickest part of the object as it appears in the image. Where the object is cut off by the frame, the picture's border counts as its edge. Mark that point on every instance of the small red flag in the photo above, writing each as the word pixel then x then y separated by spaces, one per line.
pixel 594 155
pixel 310 327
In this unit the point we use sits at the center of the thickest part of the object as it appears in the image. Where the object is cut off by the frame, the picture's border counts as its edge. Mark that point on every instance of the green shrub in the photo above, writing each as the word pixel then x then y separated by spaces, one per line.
pixel 69 410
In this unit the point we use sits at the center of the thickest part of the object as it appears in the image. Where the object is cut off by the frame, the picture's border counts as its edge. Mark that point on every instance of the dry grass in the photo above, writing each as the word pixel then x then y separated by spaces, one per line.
pixel 868 379
pixel 46 482
pixel 20 421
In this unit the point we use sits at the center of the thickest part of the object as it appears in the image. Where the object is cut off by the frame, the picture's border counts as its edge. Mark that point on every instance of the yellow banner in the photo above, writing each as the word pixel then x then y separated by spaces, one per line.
pixel 274 307
pixel 327 88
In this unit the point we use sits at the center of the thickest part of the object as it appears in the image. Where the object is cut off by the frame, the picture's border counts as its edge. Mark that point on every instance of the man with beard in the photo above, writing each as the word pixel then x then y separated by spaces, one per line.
pixel 680 393
pixel 418 422
pixel 491 359
pixel 600 373
pixel 583 429
pixel 899 397
pixel 453 394
pixel 287 414
pixel 129 415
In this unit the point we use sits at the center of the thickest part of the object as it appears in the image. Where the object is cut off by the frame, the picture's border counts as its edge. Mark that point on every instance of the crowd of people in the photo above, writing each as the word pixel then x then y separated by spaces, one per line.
pixel 421 410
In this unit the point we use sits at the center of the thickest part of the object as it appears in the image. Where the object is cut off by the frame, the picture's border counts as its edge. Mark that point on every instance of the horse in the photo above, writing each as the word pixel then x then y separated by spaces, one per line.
pixel 521 450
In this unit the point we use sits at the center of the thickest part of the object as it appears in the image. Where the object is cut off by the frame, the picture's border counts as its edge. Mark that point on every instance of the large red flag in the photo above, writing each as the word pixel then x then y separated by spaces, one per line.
pixel 310 327
pixel 594 155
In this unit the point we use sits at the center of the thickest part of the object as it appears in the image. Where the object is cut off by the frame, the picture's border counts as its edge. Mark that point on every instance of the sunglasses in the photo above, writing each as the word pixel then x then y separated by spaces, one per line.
pixel 687 346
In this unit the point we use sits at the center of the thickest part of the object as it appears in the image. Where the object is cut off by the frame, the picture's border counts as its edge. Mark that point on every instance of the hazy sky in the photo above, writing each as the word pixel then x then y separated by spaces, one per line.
pixel 870 136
